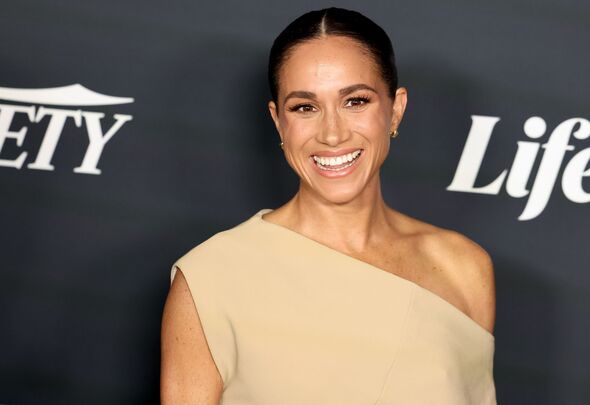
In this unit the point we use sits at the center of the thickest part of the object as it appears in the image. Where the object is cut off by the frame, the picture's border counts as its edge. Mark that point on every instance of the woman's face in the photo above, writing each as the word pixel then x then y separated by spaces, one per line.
pixel 334 116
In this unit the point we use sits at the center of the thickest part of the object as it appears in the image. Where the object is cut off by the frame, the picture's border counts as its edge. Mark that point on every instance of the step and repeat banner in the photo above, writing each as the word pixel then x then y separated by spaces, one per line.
pixel 132 131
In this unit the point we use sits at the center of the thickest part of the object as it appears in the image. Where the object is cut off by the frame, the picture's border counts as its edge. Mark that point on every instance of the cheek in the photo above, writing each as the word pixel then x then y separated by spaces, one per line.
pixel 371 124
pixel 295 135
pixel 298 131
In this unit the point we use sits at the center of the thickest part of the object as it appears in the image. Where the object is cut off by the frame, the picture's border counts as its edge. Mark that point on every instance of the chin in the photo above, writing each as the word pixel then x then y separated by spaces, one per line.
pixel 339 195
pixel 342 190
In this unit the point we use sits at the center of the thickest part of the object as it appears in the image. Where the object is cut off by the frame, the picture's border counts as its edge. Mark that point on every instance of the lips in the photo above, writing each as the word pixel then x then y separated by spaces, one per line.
pixel 336 163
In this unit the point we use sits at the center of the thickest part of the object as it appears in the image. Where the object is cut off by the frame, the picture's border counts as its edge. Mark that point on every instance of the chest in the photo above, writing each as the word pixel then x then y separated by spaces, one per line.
pixel 353 337
pixel 410 261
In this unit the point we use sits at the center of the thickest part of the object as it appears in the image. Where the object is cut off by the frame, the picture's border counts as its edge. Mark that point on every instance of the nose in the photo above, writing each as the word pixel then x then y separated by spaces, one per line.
pixel 333 130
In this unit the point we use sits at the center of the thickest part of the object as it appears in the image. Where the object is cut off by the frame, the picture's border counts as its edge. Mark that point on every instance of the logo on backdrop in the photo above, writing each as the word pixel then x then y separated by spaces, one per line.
pixel 516 178
pixel 73 95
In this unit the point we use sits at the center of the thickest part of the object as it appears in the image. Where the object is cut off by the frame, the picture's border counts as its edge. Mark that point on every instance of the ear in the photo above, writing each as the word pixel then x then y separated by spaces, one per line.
pixel 272 108
pixel 399 107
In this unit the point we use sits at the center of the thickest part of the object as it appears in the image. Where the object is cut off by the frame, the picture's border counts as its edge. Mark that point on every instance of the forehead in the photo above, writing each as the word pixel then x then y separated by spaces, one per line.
pixel 328 63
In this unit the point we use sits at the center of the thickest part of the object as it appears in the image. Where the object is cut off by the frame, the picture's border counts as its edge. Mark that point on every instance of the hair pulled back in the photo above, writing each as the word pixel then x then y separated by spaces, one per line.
pixel 338 22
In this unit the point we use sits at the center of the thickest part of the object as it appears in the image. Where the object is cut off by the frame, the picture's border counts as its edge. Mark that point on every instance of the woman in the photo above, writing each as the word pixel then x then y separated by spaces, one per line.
pixel 333 298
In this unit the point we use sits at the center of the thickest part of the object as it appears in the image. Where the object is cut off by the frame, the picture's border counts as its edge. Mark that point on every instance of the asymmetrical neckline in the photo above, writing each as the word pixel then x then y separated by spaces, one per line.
pixel 374 270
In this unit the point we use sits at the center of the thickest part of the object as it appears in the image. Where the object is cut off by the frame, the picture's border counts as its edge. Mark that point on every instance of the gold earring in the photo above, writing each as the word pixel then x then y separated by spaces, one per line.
pixel 281 144
pixel 393 134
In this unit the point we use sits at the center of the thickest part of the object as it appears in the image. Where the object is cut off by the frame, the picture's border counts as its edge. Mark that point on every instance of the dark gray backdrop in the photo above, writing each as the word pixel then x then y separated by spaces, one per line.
pixel 85 259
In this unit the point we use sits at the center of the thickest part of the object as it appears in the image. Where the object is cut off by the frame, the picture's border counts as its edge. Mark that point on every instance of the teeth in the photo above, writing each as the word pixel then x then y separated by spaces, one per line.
pixel 326 163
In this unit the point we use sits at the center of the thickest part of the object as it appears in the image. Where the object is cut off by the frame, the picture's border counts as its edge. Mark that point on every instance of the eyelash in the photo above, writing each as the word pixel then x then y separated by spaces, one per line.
pixel 363 99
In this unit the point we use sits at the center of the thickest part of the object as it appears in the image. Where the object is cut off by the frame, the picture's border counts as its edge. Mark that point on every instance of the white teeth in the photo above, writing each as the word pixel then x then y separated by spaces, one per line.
pixel 325 163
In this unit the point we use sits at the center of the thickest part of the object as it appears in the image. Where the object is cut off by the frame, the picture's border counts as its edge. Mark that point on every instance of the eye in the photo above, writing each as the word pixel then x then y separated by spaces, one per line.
pixel 356 102
pixel 302 108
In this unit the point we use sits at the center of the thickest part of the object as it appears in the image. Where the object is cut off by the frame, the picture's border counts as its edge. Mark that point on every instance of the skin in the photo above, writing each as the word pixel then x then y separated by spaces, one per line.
pixel 188 374
pixel 346 213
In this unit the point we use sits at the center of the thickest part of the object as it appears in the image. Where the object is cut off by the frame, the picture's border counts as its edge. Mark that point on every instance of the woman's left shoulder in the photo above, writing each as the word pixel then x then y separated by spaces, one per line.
pixel 471 270
pixel 467 266
pixel 448 245
pixel 453 246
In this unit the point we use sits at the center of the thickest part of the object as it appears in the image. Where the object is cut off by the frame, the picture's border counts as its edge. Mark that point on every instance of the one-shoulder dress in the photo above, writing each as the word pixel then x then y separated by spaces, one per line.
pixel 290 321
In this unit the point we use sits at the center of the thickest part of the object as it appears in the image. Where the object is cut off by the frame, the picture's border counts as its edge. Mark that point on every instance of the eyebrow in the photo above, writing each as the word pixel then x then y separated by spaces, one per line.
pixel 343 92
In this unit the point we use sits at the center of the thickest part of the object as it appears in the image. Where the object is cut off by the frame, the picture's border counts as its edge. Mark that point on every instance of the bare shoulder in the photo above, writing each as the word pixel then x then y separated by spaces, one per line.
pixel 188 373
pixel 465 264
pixel 471 269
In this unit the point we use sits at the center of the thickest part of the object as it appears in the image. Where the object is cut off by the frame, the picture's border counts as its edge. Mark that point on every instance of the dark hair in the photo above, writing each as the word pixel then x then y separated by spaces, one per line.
pixel 338 22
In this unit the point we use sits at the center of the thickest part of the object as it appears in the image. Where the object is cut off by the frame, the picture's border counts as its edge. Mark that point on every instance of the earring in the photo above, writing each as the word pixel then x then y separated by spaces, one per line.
pixel 281 144
pixel 393 134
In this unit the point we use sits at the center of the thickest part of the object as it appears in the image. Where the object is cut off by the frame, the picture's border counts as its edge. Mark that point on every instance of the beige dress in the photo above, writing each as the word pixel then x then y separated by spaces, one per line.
pixel 290 321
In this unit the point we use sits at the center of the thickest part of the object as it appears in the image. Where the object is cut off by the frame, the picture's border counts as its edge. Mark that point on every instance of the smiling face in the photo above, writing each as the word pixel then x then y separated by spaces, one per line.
pixel 334 116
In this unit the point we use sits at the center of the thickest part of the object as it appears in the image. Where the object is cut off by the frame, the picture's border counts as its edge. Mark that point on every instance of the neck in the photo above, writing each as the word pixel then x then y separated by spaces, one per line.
pixel 348 226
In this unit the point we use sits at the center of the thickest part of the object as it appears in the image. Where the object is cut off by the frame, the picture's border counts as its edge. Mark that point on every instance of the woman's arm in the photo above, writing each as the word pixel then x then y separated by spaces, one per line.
pixel 188 374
